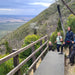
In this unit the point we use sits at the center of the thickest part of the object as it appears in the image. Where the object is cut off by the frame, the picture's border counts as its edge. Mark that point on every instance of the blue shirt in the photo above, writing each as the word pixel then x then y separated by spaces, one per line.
pixel 69 36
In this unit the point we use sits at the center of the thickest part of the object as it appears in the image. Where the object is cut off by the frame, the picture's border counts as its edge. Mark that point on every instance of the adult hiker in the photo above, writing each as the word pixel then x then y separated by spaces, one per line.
pixel 51 46
pixel 59 41
pixel 68 40
pixel 72 56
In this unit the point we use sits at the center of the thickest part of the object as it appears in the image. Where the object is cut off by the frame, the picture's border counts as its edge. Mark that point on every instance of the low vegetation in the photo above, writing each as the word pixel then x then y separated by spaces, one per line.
pixel 8 65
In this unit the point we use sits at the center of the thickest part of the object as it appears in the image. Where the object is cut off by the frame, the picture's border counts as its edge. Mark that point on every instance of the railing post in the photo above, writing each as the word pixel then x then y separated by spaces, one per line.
pixel 16 62
pixel 65 59
pixel 34 58
pixel 46 44
pixel 41 49
pixel 46 39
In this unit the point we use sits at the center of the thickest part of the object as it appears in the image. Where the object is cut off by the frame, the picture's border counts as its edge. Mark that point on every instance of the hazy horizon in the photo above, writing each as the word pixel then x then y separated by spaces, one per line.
pixel 9 23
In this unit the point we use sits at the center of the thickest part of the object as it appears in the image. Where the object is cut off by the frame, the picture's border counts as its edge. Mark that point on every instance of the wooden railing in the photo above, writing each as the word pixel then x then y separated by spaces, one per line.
pixel 14 55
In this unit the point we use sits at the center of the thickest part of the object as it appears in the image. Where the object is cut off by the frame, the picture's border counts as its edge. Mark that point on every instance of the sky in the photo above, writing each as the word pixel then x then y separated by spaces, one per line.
pixel 23 7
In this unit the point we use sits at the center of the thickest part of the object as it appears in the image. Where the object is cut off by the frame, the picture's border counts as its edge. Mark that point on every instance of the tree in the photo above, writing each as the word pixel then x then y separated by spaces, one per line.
pixel 59 27
pixel 68 7
pixel 60 17
pixel 8 48
pixel 71 22
pixel 29 39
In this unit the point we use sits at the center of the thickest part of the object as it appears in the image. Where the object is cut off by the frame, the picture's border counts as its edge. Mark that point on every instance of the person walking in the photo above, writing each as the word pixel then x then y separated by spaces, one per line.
pixel 59 41
pixel 68 40
pixel 72 56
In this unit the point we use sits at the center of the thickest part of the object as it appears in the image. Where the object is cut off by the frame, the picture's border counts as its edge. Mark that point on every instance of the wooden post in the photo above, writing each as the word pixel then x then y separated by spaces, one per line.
pixel 40 45
pixel 65 59
pixel 46 40
pixel 45 45
pixel 34 58
pixel 16 62
pixel 41 49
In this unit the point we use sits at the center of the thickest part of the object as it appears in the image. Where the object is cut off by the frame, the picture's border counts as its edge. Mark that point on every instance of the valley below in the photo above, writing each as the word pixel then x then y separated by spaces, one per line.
pixel 9 23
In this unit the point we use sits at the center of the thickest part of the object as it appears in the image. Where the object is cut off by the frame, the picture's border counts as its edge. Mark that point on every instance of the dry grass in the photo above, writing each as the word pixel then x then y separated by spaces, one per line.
pixel 69 70
pixel 37 65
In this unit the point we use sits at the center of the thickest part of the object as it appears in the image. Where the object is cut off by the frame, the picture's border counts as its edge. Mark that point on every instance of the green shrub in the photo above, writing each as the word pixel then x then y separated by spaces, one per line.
pixel 29 39
pixel 8 48
pixel 59 27
pixel 71 22
pixel 7 66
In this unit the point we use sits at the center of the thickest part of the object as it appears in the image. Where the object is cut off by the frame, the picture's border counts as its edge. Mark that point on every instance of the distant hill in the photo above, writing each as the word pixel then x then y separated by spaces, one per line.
pixel 9 23
pixel 15 18
pixel 46 21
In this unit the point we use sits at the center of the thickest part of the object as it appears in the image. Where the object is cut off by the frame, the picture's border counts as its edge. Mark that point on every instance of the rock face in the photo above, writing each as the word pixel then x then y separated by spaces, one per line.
pixel 46 22
pixel 2 49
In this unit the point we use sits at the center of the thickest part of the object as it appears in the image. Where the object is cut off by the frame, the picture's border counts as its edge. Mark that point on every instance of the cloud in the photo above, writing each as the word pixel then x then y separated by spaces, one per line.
pixel 23 7
pixel 41 3
pixel 30 11
pixel 5 9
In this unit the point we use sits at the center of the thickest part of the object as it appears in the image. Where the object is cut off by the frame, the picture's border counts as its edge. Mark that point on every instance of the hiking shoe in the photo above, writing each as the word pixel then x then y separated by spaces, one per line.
pixel 72 64
pixel 68 56
pixel 69 62
pixel 61 53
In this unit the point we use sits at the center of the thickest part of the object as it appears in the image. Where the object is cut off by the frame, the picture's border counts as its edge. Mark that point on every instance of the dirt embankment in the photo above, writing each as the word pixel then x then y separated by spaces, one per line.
pixel 69 70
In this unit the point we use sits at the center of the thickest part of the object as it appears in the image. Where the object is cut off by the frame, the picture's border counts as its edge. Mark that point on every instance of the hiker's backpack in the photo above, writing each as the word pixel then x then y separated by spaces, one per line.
pixel 70 37
pixel 60 39
pixel 74 37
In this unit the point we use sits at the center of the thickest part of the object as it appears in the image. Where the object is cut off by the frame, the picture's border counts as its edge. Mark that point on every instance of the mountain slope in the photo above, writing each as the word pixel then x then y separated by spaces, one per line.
pixel 46 21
